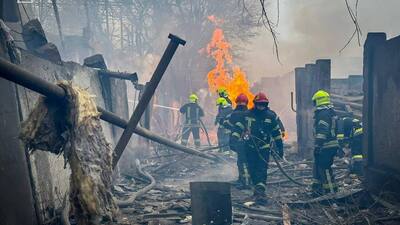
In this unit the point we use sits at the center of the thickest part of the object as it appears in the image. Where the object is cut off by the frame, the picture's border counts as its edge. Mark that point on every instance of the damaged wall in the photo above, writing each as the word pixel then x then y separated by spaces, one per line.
pixel 381 112
pixel 352 85
pixel 44 165
pixel 15 185
pixel 308 80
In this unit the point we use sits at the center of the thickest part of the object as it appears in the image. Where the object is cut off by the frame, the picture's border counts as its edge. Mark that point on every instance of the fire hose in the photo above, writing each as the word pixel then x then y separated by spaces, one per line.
pixel 202 127
pixel 205 131
pixel 278 164
pixel 276 158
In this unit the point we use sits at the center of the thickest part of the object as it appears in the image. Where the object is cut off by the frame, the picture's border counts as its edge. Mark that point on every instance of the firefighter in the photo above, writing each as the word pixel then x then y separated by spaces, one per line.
pixel 193 112
pixel 224 109
pixel 237 144
pixel 326 144
pixel 258 129
pixel 344 127
pixel 223 93
pixel 350 135
pixel 356 148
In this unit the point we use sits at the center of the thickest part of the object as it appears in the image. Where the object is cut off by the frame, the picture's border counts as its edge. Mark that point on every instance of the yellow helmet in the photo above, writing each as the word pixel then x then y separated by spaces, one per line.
pixel 193 98
pixel 321 97
pixel 222 101
pixel 222 91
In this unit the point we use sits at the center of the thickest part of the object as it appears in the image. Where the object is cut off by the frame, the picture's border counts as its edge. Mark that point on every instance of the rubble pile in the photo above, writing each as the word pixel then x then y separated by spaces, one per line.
pixel 168 202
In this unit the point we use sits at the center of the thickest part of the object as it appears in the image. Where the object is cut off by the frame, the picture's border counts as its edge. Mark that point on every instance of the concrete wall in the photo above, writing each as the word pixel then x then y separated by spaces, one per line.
pixel 339 86
pixel 15 182
pixel 382 111
pixel 278 91
pixel 308 80
pixel 51 179
pixel 352 85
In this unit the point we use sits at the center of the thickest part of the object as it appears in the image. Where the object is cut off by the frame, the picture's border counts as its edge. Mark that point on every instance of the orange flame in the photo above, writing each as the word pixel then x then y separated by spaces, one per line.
pixel 225 74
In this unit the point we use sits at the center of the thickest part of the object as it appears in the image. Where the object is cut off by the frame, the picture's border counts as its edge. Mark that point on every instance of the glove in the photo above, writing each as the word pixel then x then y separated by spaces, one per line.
pixel 283 134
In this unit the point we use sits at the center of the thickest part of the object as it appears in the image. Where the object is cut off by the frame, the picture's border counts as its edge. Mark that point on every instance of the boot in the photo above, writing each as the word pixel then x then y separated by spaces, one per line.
pixel 317 190
pixel 259 195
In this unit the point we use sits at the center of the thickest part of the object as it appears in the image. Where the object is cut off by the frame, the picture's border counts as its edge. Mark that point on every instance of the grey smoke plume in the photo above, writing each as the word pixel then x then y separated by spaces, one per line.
pixel 311 29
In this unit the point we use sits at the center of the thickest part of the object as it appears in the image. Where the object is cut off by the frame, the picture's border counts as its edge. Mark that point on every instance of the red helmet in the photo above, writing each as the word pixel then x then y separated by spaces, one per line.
pixel 260 98
pixel 242 98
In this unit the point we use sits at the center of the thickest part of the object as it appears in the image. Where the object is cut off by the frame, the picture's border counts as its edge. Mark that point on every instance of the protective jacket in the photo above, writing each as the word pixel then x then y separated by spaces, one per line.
pixel 260 128
pixel 192 112
pixel 223 112
pixel 345 126
pixel 238 145
pixel 230 121
pixel 326 146
pixel 257 128
pixel 325 125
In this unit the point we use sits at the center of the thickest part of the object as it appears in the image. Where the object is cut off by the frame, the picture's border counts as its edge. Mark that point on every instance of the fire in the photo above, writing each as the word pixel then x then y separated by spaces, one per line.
pixel 225 73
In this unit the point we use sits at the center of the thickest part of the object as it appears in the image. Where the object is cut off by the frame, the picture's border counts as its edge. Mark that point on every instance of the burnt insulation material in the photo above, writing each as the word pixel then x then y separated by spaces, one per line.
pixel 72 128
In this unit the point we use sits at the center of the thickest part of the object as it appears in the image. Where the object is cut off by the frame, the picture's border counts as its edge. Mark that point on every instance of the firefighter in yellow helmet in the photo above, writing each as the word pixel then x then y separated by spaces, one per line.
pixel 192 112
pixel 326 143
pixel 223 93
pixel 223 133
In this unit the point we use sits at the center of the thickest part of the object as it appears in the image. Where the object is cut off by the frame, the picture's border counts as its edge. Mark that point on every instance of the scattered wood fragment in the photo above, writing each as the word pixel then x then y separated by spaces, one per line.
pixel 285 214
pixel 257 216
pixel 286 180
pixel 164 215
pixel 385 203
pixel 329 198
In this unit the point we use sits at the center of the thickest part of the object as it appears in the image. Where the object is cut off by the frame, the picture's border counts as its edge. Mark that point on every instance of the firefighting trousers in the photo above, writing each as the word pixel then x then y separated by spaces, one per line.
pixel 243 171
pixel 187 130
pixel 324 180
pixel 257 161
pixel 223 139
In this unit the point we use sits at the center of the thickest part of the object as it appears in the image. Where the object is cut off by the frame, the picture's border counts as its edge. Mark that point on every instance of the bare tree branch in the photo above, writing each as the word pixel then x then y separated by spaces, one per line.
pixel 357 30
pixel 270 27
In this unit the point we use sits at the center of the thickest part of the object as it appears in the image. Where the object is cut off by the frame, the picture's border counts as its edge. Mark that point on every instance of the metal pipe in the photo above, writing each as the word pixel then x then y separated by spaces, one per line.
pixel 292 102
pixel 19 76
pixel 133 77
pixel 114 119
pixel 58 20
pixel 147 95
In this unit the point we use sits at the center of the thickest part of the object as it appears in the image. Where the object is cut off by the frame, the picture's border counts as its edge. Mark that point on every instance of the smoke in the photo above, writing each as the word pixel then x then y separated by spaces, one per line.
pixel 312 29
pixel 307 30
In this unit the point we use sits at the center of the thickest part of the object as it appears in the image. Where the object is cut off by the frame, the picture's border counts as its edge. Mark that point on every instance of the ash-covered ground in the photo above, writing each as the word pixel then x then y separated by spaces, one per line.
pixel 168 198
